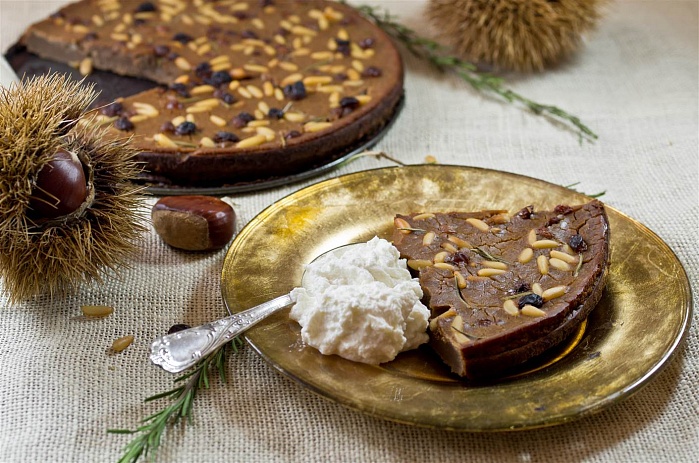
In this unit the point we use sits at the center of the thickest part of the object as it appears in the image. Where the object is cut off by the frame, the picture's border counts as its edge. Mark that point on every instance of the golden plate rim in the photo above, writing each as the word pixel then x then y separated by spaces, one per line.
pixel 374 405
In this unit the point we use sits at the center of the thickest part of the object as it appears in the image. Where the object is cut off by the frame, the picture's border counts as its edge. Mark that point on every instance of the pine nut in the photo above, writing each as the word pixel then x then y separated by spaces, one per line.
pixel 543 263
pixel 531 311
pixel 96 310
pixel 316 126
pixel 494 264
pixel 255 140
pixel 449 247
pixel 525 256
pixel 490 272
pixel 402 225
pixel 417 264
pixel 552 293
pixel 122 343
pixel 537 289
pixel 440 256
pixel 218 121
pixel 545 244
pixel 531 237
pixel 478 223
pixel 85 67
pixel 426 215
pixel 428 238
pixel 564 257
pixel 511 307
pixel 559 264
pixel 460 280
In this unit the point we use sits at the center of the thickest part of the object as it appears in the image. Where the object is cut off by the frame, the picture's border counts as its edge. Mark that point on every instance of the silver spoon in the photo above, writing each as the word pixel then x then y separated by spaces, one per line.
pixel 181 350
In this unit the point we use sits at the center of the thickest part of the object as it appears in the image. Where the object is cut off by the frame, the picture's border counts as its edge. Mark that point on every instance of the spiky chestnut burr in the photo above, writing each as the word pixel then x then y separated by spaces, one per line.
pixel 520 35
pixel 69 213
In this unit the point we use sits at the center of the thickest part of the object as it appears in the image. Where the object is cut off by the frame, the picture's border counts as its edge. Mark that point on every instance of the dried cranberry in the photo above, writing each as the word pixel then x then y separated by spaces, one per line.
pixel 526 213
pixel 167 127
pixel 242 119
pixel 458 257
pixel 544 232
pixel 349 102
pixel 295 91
pixel 275 113
pixel 367 43
pixel 123 123
pixel 183 38
pixel 161 50
pixel 372 71
pixel 292 134
pixel 531 299
pixel 145 6
pixel 562 209
pixel 218 78
pixel 178 327
pixel 577 243
pixel 522 288
pixel 226 136
pixel 343 46
pixel 112 109
pixel 186 128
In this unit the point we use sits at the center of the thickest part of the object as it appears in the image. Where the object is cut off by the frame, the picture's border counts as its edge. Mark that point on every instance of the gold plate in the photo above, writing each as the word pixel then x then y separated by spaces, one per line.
pixel 641 319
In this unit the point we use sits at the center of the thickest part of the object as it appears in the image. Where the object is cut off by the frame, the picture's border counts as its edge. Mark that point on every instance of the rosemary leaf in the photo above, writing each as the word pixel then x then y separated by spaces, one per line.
pixel 442 58
pixel 150 434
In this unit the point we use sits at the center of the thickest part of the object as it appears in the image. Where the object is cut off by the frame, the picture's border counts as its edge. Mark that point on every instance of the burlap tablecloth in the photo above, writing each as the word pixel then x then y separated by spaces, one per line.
pixel 635 84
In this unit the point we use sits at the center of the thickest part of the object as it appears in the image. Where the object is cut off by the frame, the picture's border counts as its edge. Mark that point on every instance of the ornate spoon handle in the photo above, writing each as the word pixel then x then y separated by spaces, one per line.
pixel 178 351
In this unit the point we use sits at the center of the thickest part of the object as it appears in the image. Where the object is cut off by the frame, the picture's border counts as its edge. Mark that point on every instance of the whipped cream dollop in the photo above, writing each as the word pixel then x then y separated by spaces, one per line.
pixel 361 303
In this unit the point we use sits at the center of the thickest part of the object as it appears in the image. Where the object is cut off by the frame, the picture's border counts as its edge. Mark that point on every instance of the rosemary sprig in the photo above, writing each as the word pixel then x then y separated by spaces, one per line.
pixel 488 256
pixel 150 433
pixel 440 56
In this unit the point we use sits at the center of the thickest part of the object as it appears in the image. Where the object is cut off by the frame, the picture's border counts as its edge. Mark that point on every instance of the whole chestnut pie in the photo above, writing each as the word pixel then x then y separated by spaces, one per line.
pixel 249 89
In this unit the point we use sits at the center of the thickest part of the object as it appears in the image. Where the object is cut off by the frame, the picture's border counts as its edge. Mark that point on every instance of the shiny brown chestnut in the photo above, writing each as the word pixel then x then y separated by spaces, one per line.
pixel 61 187
pixel 194 223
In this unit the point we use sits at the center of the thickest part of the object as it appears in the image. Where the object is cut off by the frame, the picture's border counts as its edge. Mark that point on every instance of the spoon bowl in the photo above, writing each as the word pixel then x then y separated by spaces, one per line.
pixel 179 351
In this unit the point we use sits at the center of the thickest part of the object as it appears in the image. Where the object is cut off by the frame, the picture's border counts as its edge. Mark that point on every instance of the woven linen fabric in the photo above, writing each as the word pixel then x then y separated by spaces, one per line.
pixel 634 83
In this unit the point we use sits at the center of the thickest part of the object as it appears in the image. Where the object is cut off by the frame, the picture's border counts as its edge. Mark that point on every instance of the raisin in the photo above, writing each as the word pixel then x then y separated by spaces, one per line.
pixel 371 71
pixel 228 98
pixel 183 38
pixel 161 50
pixel 186 128
pixel 577 243
pixel 172 103
pixel 218 78
pixel 248 34
pixel 145 7
pixel 531 299
pixel 340 77
pixel 275 113
pixel 295 91
pixel 178 327
pixel 343 46
pixel 242 119
pixel 112 109
pixel 180 89
pixel 292 134
pixel 203 70
pixel 544 233
pixel 226 136
pixel 349 102
pixel 124 124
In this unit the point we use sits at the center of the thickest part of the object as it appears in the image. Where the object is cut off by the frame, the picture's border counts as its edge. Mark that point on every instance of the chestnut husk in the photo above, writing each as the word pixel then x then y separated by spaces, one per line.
pixel 56 256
